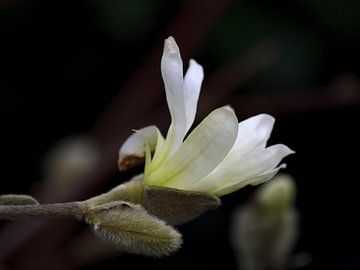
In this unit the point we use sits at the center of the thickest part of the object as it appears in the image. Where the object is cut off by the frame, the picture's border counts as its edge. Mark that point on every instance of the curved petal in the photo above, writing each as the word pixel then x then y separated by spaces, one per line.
pixel 172 73
pixel 192 85
pixel 134 147
pixel 256 180
pixel 253 133
pixel 239 169
pixel 201 152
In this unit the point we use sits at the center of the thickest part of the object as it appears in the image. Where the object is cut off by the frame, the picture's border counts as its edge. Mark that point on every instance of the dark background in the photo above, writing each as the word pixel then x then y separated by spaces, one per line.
pixel 63 62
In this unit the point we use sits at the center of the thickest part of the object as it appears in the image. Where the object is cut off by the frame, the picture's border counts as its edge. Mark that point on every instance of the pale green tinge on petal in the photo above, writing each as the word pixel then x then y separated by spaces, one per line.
pixel 134 147
pixel 172 73
pixel 147 162
pixel 192 85
pixel 201 152
pixel 160 153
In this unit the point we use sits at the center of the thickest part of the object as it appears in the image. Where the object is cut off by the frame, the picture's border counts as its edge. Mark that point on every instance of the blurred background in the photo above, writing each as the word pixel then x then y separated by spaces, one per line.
pixel 91 69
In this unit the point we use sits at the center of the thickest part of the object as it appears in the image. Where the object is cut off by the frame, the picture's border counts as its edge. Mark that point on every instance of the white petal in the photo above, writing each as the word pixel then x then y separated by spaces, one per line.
pixel 236 169
pixel 201 152
pixel 192 85
pixel 136 143
pixel 253 133
pixel 262 160
pixel 172 73
pixel 252 136
pixel 259 179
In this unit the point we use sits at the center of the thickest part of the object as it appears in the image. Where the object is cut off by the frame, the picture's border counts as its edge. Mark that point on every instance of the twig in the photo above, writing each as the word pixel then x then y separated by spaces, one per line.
pixel 221 84
pixel 342 91
pixel 59 210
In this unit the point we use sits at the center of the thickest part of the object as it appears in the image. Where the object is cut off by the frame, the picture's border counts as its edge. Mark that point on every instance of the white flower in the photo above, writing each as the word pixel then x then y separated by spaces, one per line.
pixel 219 156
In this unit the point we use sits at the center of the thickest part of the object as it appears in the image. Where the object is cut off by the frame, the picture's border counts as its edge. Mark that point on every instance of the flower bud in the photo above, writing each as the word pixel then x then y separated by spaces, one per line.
pixel 265 230
pixel 129 227
pixel 278 194
pixel 16 199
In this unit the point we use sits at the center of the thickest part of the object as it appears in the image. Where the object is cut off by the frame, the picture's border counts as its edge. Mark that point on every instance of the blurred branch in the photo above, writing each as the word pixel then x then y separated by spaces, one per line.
pixel 219 86
pixel 343 91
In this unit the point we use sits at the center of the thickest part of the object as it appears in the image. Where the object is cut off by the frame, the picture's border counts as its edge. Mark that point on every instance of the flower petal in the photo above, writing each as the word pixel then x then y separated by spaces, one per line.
pixel 259 179
pixel 134 147
pixel 172 73
pixel 201 152
pixel 253 133
pixel 238 169
pixel 192 85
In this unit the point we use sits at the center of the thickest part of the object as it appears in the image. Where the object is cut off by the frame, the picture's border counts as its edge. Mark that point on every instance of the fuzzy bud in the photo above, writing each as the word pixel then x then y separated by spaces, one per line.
pixel 129 227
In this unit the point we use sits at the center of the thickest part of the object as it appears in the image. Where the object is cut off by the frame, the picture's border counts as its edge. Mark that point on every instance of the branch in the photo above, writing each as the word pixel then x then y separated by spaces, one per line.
pixel 58 210
pixel 342 91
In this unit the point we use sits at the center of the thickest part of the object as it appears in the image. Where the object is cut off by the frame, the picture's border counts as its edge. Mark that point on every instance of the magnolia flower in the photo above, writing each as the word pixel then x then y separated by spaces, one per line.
pixel 219 156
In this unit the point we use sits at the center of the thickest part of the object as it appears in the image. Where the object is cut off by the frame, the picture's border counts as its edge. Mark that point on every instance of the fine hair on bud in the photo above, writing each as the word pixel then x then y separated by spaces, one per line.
pixel 129 227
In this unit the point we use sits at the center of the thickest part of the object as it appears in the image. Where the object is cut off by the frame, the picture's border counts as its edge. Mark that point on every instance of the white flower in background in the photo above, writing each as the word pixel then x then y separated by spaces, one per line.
pixel 219 156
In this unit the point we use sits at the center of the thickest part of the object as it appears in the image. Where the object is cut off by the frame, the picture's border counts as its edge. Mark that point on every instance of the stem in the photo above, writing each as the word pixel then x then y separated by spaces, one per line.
pixel 57 210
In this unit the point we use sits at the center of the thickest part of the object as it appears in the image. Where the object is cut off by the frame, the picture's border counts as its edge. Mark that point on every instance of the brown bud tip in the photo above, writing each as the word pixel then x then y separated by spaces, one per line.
pixel 127 162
